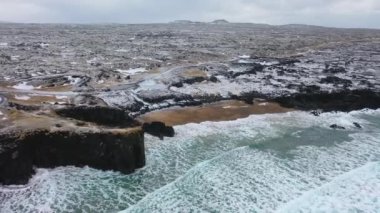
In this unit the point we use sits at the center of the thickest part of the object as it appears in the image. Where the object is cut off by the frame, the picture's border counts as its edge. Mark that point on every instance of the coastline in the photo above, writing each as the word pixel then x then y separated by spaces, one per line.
pixel 218 111
pixel 260 115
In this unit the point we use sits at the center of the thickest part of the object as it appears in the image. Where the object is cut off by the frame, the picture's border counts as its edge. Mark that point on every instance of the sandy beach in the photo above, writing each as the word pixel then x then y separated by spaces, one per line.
pixel 219 111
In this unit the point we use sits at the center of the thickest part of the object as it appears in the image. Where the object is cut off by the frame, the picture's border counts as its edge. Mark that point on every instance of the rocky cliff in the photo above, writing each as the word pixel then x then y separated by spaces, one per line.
pixel 22 151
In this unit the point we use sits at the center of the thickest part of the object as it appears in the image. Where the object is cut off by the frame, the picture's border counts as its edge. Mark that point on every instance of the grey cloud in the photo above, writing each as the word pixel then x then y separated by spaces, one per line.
pixel 340 13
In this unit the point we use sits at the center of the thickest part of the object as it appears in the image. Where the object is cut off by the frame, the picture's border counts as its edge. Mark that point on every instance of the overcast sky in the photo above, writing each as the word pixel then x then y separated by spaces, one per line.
pixel 338 13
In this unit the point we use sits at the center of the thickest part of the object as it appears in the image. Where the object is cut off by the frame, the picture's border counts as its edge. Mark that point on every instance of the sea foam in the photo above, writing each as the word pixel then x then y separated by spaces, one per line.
pixel 259 163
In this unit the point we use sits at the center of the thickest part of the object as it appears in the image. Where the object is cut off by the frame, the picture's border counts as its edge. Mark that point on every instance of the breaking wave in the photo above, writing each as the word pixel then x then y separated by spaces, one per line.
pixel 262 163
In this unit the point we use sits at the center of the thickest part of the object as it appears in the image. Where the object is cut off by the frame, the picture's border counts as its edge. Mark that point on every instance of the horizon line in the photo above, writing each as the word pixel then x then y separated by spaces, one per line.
pixel 184 20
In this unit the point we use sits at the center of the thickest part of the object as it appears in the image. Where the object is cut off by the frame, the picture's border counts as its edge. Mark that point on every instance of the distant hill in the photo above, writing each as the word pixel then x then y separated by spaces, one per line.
pixel 182 22
pixel 220 21
pixel 185 22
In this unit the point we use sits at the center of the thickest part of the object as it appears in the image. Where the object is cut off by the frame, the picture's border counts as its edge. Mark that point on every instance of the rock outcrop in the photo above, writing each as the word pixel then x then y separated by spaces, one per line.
pixel 335 126
pixel 158 129
pixel 22 151
pixel 344 101
pixel 98 114
pixel 336 81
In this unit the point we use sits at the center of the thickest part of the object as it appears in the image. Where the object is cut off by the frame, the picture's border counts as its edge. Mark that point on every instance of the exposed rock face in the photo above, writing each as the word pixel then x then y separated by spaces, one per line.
pixel 115 150
pixel 158 129
pixel 98 114
pixel 337 101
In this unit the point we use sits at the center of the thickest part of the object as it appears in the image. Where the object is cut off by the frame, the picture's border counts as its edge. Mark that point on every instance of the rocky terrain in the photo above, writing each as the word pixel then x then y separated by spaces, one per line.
pixel 102 77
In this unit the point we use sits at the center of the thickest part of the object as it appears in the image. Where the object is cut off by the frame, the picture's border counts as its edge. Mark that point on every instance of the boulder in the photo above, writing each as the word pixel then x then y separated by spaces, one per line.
pixel 335 126
pixel 213 79
pixel 177 84
pixel 158 129
pixel 357 125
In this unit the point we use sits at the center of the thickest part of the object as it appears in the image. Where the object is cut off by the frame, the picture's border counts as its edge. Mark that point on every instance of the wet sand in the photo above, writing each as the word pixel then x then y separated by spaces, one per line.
pixel 220 111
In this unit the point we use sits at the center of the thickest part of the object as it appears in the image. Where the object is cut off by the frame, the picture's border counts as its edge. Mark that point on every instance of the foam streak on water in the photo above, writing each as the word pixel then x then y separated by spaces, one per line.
pixel 256 164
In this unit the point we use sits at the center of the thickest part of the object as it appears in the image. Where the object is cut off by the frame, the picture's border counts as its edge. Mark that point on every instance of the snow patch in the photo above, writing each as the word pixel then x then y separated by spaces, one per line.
pixel 245 57
pixel 23 86
pixel 22 97
pixel 132 71
pixel 74 80
pixel 60 97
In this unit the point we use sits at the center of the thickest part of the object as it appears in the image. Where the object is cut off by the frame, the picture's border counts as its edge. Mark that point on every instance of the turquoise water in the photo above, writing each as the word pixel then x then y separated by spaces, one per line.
pixel 264 163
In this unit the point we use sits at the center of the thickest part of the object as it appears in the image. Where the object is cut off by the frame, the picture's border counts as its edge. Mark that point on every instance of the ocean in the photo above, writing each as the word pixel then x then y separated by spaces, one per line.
pixel 287 162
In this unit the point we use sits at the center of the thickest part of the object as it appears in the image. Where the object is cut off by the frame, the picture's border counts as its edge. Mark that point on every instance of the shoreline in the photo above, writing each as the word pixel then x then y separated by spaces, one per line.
pixel 218 111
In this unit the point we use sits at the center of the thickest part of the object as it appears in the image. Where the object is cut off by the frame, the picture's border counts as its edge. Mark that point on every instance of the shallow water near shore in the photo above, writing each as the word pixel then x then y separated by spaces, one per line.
pixel 289 162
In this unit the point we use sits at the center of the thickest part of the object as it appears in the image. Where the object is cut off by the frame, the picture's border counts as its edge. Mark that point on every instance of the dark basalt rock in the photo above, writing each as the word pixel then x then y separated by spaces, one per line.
pixel 209 98
pixel 24 107
pixel 357 125
pixel 177 84
pixel 213 79
pixel 310 89
pixel 248 97
pixel 21 151
pixel 288 61
pixel 158 129
pixel 252 70
pixel 292 86
pixel 193 80
pixel 334 70
pixel 336 101
pixel 316 112
pixel 336 81
pixel 335 126
pixel 98 114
